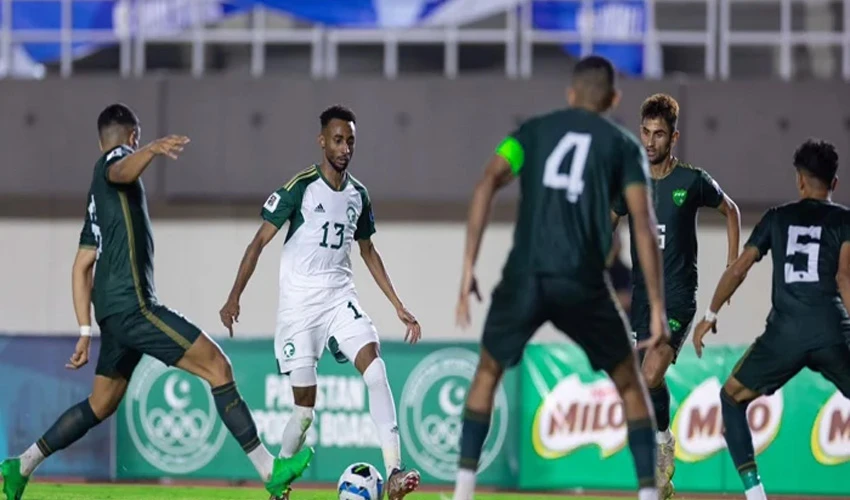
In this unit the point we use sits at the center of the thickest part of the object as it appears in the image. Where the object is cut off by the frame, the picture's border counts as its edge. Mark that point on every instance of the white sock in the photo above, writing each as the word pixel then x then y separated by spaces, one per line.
pixel 263 461
pixel 756 493
pixel 31 459
pixel 465 484
pixel 648 494
pixel 663 437
pixel 295 431
pixel 382 408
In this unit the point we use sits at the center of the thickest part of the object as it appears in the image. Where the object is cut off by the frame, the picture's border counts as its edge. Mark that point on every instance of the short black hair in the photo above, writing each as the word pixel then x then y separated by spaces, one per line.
pixel 596 78
pixel 662 106
pixel 337 112
pixel 116 114
pixel 818 159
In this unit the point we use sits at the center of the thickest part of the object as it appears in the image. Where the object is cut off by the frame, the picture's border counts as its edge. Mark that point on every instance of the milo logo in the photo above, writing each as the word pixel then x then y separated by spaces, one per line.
pixel 431 413
pixel 577 414
pixel 831 431
pixel 698 424
pixel 172 419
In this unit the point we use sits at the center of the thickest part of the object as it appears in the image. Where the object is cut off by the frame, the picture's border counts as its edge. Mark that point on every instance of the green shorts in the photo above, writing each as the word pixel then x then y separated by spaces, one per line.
pixel 679 318
pixel 774 359
pixel 590 316
pixel 156 331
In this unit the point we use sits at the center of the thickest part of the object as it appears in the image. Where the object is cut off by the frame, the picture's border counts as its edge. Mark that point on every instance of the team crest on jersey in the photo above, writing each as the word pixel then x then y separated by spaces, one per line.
pixel 351 212
pixel 289 350
pixel 679 197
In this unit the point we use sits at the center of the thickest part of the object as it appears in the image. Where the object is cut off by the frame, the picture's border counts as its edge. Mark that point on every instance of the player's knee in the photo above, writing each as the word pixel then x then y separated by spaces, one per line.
pixel 653 377
pixel 626 375
pixel 304 381
pixel 735 392
pixel 375 375
pixel 220 371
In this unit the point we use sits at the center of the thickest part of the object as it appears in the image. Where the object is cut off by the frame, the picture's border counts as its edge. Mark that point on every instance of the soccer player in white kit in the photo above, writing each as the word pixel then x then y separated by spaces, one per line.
pixel 327 209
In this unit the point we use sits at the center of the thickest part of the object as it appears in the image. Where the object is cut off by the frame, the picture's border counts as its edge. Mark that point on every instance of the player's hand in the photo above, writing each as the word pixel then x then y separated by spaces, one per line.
pixel 700 331
pixel 468 286
pixel 81 354
pixel 659 331
pixel 169 146
pixel 229 314
pixel 414 331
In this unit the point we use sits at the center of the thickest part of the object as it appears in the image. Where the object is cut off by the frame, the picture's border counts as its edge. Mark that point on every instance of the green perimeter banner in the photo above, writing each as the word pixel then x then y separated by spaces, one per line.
pixel 573 430
pixel 168 425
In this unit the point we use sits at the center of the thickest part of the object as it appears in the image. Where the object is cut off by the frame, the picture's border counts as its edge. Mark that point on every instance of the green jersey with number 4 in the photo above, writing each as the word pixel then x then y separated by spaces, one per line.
pixel 571 164
pixel 118 226
pixel 677 197
pixel 315 268
pixel 805 240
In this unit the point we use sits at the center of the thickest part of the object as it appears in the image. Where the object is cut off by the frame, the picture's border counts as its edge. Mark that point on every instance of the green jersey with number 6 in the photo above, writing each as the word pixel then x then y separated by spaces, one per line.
pixel 805 239
pixel 315 266
pixel 677 198
pixel 118 226
pixel 571 164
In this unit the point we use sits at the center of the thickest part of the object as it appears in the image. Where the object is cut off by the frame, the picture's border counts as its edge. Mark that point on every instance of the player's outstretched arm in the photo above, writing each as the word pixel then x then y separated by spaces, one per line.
pixel 842 278
pixel 230 312
pixel 372 258
pixel 131 167
pixel 729 282
pixel 497 174
pixel 81 286
pixel 733 228
pixel 645 229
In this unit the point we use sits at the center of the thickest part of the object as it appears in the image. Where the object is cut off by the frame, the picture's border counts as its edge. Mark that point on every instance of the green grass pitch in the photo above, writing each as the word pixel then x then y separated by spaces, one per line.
pixel 43 491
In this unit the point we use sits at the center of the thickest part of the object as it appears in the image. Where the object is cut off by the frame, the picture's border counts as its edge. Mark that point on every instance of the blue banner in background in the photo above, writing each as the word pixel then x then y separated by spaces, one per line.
pixel 37 389
pixel 609 18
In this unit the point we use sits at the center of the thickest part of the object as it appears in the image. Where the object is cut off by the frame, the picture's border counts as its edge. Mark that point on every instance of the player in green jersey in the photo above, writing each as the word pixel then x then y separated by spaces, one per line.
pixel 116 244
pixel 679 191
pixel 570 163
pixel 808 324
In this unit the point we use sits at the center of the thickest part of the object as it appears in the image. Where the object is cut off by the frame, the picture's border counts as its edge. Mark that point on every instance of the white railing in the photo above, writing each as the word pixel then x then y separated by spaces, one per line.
pixel 518 38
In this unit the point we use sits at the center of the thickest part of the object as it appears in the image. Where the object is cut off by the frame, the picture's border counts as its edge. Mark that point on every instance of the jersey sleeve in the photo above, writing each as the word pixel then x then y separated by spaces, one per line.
pixel 366 222
pixel 760 237
pixel 112 158
pixel 87 237
pixel 710 193
pixel 279 207
pixel 515 147
pixel 619 205
pixel 635 168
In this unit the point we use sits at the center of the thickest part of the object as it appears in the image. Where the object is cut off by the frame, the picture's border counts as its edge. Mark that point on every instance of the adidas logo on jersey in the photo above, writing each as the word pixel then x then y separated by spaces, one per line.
pixel 319 209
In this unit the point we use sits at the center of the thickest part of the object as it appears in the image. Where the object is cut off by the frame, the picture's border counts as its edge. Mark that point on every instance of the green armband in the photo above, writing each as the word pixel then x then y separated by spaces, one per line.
pixel 511 150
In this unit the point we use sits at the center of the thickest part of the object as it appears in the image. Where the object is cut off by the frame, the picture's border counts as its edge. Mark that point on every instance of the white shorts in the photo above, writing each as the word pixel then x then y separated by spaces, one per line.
pixel 301 336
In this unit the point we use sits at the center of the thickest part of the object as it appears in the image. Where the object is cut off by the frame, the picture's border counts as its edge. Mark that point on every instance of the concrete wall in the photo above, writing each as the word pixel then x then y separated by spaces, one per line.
pixel 196 263
pixel 430 136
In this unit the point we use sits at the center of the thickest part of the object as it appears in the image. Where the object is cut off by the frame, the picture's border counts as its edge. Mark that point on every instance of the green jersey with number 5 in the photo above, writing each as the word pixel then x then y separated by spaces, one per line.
pixel 315 267
pixel 571 164
pixel 118 226
pixel 805 239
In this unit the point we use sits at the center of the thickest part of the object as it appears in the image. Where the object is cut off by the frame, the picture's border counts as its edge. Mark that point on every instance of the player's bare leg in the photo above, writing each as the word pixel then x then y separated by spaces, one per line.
pixel 70 427
pixel 206 360
pixel 476 422
pixel 641 424
pixel 656 362
pixel 734 399
pixel 400 482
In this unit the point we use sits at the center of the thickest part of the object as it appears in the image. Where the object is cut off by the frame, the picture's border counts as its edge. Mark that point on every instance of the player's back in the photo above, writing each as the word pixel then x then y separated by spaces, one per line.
pixel 805 239
pixel 118 224
pixel 574 163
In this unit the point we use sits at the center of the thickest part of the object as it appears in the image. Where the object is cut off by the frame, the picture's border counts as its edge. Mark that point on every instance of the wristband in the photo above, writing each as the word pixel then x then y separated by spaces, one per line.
pixel 85 331
pixel 710 316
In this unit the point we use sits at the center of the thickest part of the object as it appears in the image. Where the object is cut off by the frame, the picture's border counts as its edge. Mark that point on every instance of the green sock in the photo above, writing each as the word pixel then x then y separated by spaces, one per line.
pixel 750 478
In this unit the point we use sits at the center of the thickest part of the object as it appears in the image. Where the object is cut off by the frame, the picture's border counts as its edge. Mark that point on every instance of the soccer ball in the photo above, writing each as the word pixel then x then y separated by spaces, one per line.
pixel 361 481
